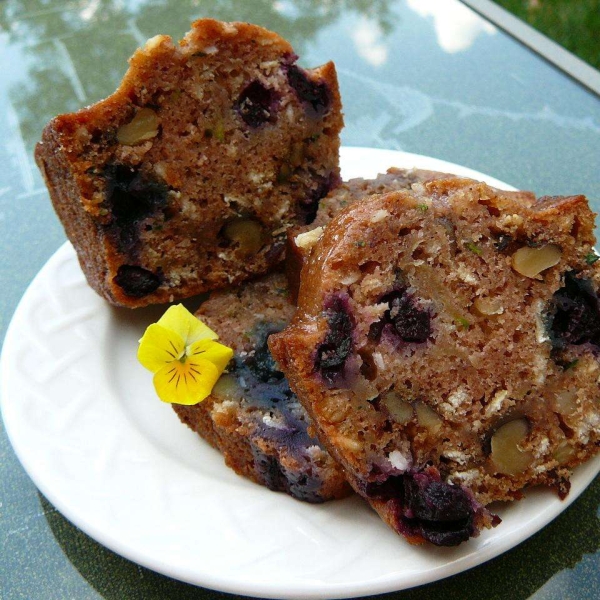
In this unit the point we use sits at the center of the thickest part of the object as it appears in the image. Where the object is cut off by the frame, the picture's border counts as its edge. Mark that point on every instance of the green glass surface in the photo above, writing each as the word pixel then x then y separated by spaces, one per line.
pixel 423 76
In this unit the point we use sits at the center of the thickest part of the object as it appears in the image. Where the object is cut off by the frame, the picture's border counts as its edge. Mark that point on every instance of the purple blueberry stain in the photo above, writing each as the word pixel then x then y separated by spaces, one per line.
pixel 135 281
pixel 314 95
pixel 269 470
pixel 574 317
pixel 257 104
pixel 261 363
pixel 425 506
pixel 266 388
pixel 131 197
pixel 321 186
pixel 335 349
pixel 404 318
pixel 276 477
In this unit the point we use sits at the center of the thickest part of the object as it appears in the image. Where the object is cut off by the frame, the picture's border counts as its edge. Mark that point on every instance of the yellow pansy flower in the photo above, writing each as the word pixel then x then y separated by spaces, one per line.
pixel 182 353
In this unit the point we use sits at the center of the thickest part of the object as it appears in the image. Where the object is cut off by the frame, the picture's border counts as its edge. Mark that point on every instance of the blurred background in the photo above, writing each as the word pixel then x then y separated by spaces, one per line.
pixel 574 24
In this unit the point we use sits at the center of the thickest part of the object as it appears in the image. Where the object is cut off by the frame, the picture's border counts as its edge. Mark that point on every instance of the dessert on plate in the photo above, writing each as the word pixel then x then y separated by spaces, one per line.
pixel 188 176
pixel 252 416
pixel 444 351
pixel 445 347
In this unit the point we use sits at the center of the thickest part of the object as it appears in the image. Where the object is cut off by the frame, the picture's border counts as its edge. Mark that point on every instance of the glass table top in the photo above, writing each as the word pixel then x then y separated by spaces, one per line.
pixel 423 76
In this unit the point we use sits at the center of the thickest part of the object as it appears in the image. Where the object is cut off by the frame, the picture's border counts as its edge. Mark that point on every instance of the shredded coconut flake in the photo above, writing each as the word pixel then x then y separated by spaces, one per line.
pixel 542 447
pixel 541 334
pixel 464 274
pixel 154 42
pixel 398 460
pixel 496 403
pixel 456 456
pixel 379 215
pixel 457 397
pixel 350 278
pixel 309 238
pixel 466 476
pixel 379 362
pixel 276 423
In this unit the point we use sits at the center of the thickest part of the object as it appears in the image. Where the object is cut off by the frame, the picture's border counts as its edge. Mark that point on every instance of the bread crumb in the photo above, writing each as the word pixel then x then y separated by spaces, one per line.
pixel 496 403
pixel 398 460
pixel 308 239
pixel 379 215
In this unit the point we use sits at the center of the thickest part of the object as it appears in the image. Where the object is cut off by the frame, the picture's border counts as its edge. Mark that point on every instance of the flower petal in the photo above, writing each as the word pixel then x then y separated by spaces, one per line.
pixel 158 347
pixel 216 353
pixel 191 329
pixel 189 382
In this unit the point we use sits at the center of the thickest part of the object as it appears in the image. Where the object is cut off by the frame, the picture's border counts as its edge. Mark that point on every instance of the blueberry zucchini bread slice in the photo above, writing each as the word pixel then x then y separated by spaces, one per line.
pixel 188 176
pixel 446 348
pixel 252 416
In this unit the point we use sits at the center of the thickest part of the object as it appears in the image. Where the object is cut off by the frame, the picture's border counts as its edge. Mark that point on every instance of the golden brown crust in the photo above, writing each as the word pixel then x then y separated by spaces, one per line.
pixel 345 194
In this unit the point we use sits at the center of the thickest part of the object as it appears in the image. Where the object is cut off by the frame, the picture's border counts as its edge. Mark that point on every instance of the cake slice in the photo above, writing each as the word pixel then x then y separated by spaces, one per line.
pixel 252 416
pixel 188 176
pixel 446 348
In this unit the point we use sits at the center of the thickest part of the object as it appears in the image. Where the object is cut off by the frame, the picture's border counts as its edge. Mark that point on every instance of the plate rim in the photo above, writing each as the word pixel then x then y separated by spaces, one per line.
pixel 308 589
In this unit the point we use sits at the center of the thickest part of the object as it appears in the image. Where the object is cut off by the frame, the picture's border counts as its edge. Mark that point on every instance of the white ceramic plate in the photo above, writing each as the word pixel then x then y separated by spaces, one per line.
pixel 83 418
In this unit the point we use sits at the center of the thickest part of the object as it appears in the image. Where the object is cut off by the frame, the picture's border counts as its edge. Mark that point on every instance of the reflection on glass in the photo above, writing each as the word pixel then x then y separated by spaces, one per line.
pixel 68 55
pixel 367 38
pixel 456 26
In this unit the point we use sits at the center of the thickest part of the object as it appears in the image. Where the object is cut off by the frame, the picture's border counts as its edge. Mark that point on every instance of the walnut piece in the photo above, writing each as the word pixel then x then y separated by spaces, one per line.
pixel 400 410
pixel 566 402
pixel 227 388
pixel 427 417
pixel 530 262
pixel 507 456
pixel 563 452
pixel 247 233
pixel 488 306
pixel 144 126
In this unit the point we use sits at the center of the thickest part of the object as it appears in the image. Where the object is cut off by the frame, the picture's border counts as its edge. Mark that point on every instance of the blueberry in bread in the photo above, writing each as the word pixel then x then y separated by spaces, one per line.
pixel 252 416
pixel 446 348
pixel 187 177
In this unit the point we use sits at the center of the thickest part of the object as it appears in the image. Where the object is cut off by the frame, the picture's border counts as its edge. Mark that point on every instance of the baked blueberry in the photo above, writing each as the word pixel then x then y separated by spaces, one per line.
pixel 314 95
pixel 257 104
pixel 337 346
pixel 261 363
pixel 136 282
pixel 575 313
pixel 405 319
pixel 131 197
